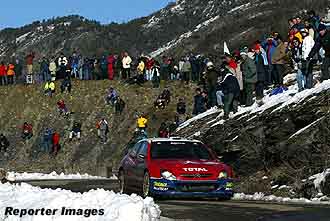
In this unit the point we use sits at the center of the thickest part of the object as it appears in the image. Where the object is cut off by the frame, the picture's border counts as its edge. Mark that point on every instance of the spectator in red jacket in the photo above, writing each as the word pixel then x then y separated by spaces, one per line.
pixel 3 73
pixel 149 64
pixel 56 143
pixel 27 132
pixel 111 61
pixel 29 63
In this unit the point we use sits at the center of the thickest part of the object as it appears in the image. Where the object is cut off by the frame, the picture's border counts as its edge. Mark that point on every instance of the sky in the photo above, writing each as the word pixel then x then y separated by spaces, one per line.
pixel 21 12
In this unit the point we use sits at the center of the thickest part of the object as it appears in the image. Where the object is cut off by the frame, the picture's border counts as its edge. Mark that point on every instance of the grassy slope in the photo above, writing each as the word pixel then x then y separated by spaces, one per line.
pixel 26 103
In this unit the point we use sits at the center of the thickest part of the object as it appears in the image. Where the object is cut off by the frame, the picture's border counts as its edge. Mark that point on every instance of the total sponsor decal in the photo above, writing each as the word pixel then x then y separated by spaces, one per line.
pixel 195 169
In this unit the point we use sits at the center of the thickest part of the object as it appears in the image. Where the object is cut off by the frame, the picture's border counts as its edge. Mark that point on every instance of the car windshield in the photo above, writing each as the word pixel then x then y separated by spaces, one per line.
pixel 179 150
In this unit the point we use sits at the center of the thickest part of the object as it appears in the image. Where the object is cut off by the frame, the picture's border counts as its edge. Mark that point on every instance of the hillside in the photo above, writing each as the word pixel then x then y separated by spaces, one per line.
pixel 199 26
pixel 26 103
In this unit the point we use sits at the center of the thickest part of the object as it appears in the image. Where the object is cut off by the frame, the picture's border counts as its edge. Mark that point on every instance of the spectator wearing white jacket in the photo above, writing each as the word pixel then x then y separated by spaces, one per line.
pixel 127 60
pixel 307 45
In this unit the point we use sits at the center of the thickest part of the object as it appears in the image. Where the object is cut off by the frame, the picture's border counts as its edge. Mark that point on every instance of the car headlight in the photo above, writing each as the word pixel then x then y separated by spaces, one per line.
pixel 168 175
pixel 223 175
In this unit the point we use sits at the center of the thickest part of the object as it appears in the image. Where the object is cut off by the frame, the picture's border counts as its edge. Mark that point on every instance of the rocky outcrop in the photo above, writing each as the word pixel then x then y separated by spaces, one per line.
pixel 286 142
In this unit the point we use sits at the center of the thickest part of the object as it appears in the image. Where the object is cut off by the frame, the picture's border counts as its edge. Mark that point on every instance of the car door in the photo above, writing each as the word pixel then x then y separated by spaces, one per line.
pixel 130 165
pixel 141 162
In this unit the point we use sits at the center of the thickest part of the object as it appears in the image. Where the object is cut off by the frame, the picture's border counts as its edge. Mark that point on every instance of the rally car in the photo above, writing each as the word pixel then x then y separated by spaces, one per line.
pixel 174 167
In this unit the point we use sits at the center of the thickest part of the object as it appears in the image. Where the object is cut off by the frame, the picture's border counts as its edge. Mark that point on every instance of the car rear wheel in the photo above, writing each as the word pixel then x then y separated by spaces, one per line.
pixel 146 185
pixel 122 182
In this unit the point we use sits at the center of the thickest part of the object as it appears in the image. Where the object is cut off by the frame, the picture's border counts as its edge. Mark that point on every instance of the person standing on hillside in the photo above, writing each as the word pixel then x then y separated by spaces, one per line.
pixel 18 70
pixel 270 46
pixel 261 73
pixel 47 140
pixel 307 66
pixel 10 73
pixel 149 64
pixel 231 90
pixel 111 62
pixel 3 73
pixel 102 130
pixel 278 61
pixel 199 103
pixel 119 105
pixel 249 71
pixel 211 83
pixel 155 75
pixel 127 60
pixel 62 64
pixel 4 143
pixel 52 69
pixel 323 41
pixel 186 69
pixel 297 59
pixel 56 143
pixel 44 69
pixel 29 63
pixel 181 109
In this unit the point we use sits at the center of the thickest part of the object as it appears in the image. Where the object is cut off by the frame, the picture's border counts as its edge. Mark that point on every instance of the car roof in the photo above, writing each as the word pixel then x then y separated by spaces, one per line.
pixel 171 139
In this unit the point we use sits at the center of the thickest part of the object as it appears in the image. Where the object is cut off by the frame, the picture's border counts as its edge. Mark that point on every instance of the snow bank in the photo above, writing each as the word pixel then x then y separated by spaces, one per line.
pixel 272 198
pixel 53 176
pixel 117 207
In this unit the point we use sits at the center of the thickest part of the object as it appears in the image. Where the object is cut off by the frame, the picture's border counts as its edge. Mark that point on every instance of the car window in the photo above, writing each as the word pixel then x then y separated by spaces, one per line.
pixel 180 150
pixel 143 149
pixel 135 149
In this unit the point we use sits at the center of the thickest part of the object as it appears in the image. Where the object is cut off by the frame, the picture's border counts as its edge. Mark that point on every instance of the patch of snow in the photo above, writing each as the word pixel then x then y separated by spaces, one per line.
pixel 305 128
pixel 116 206
pixel 284 187
pixel 53 176
pixel 319 179
pixel 265 177
pixel 272 198
pixel 22 37
pixel 240 8
pixel 200 116
pixel 275 187
pixel 186 35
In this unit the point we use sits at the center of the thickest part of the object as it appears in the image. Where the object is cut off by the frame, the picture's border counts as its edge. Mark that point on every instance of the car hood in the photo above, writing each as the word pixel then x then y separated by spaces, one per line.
pixel 179 167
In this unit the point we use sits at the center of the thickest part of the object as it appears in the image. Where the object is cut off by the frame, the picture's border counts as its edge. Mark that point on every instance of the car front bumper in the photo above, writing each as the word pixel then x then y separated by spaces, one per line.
pixel 222 188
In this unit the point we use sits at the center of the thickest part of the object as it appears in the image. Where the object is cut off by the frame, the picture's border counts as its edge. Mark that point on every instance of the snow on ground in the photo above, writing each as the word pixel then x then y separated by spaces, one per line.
pixel 22 37
pixel 291 96
pixel 241 7
pixel 305 128
pixel 186 35
pixel 272 198
pixel 117 207
pixel 200 116
pixel 52 176
pixel 319 179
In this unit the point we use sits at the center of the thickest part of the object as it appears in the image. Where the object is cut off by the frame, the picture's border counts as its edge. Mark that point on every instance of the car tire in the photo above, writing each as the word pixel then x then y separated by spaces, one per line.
pixel 146 185
pixel 122 182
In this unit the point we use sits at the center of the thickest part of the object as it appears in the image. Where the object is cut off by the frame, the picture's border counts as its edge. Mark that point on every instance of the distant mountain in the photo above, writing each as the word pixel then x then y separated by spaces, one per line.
pixel 198 26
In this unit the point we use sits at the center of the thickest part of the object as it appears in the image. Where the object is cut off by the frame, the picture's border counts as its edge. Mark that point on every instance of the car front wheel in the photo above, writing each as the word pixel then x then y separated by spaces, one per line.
pixel 146 185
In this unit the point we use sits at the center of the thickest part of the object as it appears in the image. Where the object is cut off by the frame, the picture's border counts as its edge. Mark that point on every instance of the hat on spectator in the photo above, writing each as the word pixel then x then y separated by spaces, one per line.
pixel 322 27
